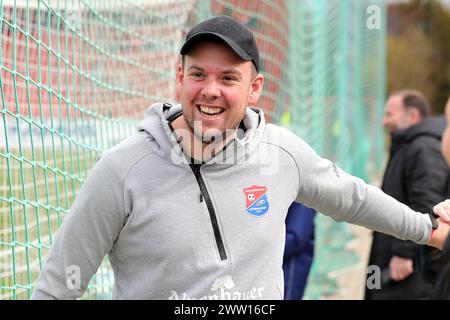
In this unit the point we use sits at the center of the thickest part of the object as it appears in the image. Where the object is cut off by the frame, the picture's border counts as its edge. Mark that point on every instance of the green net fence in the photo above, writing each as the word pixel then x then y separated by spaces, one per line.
pixel 77 75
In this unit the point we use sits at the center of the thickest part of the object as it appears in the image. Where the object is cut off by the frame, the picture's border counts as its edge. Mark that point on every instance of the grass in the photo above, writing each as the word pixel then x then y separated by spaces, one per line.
pixel 36 191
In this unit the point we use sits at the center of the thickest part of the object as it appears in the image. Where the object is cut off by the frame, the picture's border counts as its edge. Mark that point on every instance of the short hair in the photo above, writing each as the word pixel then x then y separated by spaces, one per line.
pixel 413 99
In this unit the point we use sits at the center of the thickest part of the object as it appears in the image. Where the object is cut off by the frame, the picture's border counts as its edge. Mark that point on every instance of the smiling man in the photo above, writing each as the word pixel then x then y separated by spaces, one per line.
pixel 214 96
pixel 184 209
pixel 215 84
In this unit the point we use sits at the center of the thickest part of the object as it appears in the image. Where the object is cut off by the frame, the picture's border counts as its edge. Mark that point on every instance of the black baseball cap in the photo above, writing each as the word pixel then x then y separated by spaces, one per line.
pixel 233 33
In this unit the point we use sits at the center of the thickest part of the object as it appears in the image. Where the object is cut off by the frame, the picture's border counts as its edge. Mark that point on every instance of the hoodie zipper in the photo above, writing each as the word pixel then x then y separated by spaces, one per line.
pixel 212 213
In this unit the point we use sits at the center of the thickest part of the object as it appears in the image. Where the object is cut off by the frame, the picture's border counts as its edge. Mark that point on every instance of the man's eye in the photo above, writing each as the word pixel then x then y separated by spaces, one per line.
pixel 197 75
pixel 229 78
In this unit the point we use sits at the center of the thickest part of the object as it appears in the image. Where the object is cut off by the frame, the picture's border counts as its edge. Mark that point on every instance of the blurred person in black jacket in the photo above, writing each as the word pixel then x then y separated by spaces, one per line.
pixel 416 175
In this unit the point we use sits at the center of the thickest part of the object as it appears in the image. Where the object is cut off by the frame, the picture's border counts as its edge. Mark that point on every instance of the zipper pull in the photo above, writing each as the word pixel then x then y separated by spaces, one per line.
pixel 201 197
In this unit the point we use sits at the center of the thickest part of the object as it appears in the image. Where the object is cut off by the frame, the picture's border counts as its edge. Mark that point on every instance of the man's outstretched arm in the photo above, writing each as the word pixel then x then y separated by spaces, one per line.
pixel 328 189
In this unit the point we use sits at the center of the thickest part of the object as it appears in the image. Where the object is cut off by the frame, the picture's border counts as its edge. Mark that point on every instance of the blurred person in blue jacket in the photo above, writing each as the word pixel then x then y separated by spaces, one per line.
pixel 299 250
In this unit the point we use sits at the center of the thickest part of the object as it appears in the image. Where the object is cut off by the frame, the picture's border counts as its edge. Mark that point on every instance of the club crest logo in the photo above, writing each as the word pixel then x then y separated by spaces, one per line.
pixel 256 201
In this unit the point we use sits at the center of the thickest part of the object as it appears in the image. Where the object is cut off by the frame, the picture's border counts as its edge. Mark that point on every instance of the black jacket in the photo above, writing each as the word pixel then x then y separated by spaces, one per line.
pixel 416 175
pixel 442 290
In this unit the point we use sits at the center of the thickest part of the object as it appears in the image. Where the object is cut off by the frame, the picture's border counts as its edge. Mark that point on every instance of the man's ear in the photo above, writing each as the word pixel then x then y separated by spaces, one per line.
pixel 179 81
pixel 415 115
pixel 256 89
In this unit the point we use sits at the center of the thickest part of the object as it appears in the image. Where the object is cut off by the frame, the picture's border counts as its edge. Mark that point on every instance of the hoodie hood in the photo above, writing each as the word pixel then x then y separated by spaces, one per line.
pixel 159 131
pixel 432 126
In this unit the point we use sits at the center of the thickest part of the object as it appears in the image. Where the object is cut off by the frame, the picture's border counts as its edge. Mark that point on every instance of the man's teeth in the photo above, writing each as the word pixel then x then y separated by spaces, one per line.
pixel 210 110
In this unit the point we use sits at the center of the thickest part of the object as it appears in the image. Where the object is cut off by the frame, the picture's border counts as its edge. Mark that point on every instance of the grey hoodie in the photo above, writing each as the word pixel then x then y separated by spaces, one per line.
pixel 211 231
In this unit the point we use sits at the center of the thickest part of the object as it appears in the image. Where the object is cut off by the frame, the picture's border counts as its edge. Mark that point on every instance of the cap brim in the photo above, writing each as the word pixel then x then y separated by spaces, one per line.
pixel 239 51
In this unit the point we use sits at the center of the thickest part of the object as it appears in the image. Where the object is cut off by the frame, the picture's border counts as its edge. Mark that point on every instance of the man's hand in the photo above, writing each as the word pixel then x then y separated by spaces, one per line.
pixel 439 235
pixel 442 209
pixel 400 268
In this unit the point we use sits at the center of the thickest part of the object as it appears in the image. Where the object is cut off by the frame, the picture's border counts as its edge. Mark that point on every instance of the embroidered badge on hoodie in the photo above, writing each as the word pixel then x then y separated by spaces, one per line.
pixel 256 201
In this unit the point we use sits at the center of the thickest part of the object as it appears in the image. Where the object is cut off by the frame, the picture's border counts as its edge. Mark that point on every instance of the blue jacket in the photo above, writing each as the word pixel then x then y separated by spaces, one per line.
pixel 299 250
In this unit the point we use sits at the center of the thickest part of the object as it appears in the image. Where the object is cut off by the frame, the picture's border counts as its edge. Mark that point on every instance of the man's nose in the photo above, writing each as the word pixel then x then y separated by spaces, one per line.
pixel 211 89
